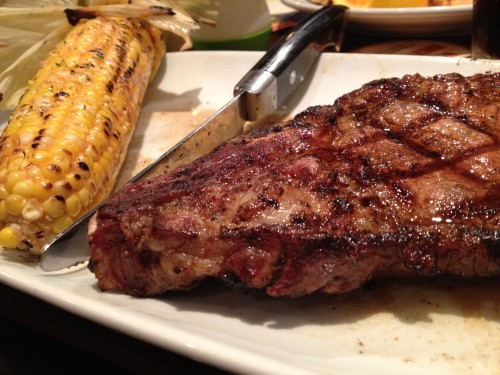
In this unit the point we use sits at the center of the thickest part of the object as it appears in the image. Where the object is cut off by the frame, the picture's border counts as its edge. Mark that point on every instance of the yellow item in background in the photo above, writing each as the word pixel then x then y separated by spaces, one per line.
pixel 390 3
pixel 353 3
pixel 397 3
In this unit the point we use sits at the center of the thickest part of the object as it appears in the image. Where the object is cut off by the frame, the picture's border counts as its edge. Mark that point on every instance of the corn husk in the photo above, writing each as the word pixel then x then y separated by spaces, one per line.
pixel 29 30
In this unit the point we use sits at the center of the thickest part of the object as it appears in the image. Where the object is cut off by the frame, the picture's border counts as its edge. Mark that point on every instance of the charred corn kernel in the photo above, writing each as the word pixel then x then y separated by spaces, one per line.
pixel 66 140
pixel 85 162
pixel 72 147
pixel 8 238
pixel 75 180
pixel 62 188
pixel 43 190
pixel 54 206
pixel 49 172
pixel 62 163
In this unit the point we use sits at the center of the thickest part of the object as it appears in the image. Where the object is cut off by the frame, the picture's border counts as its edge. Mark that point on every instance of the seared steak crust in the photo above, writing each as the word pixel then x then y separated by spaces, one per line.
pixel 399 178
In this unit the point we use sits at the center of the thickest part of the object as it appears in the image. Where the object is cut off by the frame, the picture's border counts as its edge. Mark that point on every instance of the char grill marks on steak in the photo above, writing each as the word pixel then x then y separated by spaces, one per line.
pixel 398 178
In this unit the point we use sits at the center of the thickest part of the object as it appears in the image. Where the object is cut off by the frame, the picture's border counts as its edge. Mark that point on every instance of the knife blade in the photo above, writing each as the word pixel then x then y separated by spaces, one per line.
pixel 261 91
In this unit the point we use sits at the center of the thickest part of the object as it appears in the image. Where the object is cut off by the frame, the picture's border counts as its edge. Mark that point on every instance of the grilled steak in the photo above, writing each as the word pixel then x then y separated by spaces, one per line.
pixel 399 178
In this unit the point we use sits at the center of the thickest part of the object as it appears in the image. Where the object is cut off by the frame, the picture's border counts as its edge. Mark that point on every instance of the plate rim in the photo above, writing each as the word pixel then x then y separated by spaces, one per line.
pixel 191 345
pixel 305 5
pixel 402 22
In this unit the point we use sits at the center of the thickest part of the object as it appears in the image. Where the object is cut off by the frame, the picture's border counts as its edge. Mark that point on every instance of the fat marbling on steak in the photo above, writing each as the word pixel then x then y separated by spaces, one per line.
pixel 398 178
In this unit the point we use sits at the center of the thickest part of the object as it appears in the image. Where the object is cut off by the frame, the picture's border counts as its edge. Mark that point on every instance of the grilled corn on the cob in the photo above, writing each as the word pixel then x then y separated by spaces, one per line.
pixel 65 142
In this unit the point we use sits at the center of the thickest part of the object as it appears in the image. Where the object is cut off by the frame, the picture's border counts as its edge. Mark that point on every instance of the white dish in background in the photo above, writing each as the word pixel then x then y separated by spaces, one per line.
pixel 400 327
pixel 424 21
pixel 277 7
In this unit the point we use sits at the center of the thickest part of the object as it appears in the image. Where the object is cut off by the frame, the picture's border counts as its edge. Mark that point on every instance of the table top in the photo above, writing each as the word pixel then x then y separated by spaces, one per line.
pixel 32 329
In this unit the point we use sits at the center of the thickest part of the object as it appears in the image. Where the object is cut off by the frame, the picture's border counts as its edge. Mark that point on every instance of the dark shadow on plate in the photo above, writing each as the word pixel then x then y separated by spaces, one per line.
pixel 409 301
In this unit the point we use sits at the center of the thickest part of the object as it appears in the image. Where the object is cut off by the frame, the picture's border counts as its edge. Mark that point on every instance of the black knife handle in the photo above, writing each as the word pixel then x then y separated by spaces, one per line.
pixel 313 32
pixel 285 65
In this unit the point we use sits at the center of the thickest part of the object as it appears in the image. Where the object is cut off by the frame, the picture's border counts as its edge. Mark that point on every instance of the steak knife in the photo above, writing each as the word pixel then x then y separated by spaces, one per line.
pixel 259 93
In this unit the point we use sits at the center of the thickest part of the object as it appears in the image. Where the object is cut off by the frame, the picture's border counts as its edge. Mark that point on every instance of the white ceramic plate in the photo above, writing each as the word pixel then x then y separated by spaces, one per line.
pixel 425 21
pixel 401 327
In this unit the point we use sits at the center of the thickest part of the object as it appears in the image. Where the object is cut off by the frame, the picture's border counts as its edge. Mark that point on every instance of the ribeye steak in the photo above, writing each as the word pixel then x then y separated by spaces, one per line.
pixel 398 178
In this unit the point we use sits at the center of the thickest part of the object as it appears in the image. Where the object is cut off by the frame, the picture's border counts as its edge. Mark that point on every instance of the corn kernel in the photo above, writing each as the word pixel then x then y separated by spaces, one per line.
pixel 41 157
pixel 86 160
pixel 43 190
pixel 12 179
pixel 61 223
pixel 62 162
pixel 25 139
pixel 63 188
pixel 24 188
pixel 8 238
pixel 110 159
pixel 73 206
pixel 52 172
pixel 54 206
pixel 33 172
pixel 92 187
pixel 75 180
pixel 84 196
pixel 95 150
pixel 17 163
pixel 14 204
pixel 76 138
pixel 46 142
pixel 105 166
pixel 32 210
pixel 97 174
pixel 68 146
